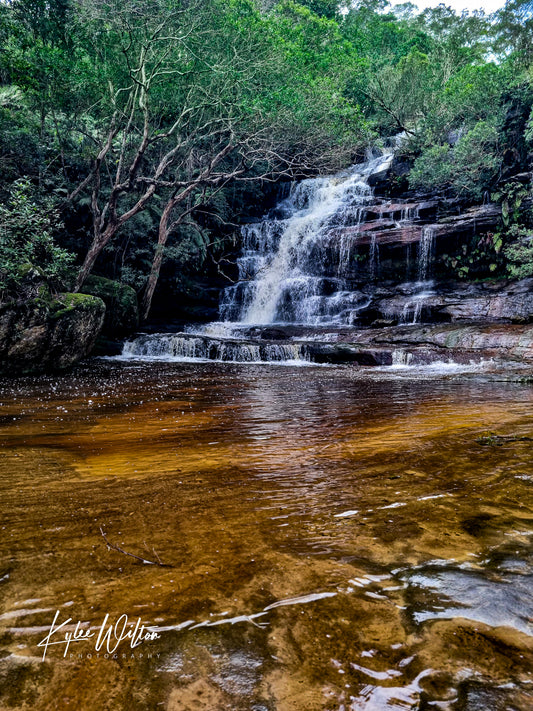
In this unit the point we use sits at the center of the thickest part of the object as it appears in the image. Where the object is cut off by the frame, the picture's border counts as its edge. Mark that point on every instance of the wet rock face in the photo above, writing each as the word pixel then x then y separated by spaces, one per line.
pixel 403 223
pixel 488 302
pixel 43 334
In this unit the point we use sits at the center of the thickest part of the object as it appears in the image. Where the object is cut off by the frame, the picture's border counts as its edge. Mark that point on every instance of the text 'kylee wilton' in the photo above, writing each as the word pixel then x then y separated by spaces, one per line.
pixel 106 638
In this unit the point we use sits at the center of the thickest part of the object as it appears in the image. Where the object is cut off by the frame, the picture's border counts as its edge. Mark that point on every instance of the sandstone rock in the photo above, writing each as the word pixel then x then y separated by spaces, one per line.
pixel 386 227
pixel 420 345
pixel 505 341
pixel 42 334
pixel 488 302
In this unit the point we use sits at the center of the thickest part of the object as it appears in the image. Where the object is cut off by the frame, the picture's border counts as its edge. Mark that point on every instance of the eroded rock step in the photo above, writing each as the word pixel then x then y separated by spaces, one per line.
pixel 408 345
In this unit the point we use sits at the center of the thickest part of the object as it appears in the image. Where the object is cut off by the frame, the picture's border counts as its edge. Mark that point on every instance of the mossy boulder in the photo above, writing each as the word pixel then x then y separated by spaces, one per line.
pixel 45 334
pixel 122 312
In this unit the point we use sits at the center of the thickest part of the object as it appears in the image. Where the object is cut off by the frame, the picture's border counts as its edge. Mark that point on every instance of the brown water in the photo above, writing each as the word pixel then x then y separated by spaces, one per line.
pixel 333 540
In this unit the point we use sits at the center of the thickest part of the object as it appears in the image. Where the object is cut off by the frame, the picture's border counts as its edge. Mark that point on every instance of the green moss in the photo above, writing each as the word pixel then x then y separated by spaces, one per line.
pixel 27 268
pixel 66 303
pixel 109 289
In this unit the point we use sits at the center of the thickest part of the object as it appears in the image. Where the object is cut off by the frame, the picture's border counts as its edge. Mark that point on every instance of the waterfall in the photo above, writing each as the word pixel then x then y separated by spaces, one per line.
pixel 401 358
pixel 319 262
pixel 426 249
pixel 346 242
pixel 374 257
pixel 180 346
pixel 295 267
pixel 414 306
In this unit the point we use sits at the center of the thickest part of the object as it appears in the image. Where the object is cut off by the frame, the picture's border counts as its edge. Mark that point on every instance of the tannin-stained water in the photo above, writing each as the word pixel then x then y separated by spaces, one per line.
pixel 335 539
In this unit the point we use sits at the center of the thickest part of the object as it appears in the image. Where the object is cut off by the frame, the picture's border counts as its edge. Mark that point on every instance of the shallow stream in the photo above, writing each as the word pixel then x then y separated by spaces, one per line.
pixel 331 538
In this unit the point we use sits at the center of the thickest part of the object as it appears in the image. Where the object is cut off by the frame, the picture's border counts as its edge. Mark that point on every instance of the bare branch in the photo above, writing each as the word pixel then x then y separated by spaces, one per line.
pixel 145 561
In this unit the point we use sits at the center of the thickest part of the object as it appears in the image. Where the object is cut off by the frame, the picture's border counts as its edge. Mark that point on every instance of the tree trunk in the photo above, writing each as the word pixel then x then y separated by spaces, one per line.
pixel 88 264
pixel 158 260
pixel 101 239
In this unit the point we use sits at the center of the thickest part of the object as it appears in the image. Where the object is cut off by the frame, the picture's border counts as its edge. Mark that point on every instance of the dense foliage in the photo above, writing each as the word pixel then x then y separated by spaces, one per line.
pixel 26 239
pixel 151 125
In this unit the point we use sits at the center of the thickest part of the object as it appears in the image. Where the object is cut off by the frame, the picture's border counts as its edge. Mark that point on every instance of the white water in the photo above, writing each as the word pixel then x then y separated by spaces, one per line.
pixel 294 268
pixel 185 347
pixel 426 250
pixel 412 310
pixel 314 261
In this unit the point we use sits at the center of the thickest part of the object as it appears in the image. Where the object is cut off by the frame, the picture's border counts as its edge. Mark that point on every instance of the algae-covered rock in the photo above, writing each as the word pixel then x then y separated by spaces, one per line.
pixel 122 313
pixel 42 333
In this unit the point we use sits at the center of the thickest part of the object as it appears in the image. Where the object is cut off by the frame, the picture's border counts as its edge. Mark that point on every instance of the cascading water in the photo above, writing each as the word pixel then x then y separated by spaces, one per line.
pixel 426 250
pixel 312 263
pixel 179 346
pixel 374 257
pixel 412 311
pixel 294 267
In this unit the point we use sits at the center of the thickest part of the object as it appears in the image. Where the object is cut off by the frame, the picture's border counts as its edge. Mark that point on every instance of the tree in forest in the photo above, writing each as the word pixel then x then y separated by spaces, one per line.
pixel 192 102
pixel 513 30
pixel 142 116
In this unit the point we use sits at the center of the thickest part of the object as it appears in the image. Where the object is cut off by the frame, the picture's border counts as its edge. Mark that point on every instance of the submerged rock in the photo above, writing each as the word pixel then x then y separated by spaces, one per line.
pixel 41 333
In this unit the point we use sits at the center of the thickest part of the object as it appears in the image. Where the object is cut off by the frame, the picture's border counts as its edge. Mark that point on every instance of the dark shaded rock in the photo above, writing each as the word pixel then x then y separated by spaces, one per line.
pixel 392 179
pixel 337 353
pixel 380 179
pixel 31 283
pixel 194 300
pixel 524 178
pixel 474 220
pixel 107 347
pixel 41 334
pixel 122 312
pixel 489 302
pixel 273 334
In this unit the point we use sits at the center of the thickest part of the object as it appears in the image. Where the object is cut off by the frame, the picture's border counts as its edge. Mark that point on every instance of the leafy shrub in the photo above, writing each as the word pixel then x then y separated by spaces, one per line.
pixel 26 229
pixel 467 169
pixel 519 253
pixel 480 258
pixel 433 169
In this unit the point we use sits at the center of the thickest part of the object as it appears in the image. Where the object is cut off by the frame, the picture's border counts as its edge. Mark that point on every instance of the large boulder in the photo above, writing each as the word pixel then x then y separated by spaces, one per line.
pixel 122 312
pixel 44 334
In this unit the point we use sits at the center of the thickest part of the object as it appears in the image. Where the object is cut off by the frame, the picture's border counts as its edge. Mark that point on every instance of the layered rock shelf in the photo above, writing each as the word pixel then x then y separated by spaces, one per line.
pixel 403 224
pixel 490 302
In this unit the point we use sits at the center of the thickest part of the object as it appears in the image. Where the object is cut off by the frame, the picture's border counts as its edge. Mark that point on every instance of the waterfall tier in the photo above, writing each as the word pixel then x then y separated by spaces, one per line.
pixel 331 259
pixel 299 265
pixel 183 347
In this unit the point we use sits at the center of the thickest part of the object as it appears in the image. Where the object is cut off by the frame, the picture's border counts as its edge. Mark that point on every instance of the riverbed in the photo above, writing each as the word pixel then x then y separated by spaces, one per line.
pixel 311 538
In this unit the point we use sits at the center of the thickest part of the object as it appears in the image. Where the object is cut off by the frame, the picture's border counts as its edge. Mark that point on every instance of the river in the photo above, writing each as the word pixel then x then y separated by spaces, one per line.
pixel 334 538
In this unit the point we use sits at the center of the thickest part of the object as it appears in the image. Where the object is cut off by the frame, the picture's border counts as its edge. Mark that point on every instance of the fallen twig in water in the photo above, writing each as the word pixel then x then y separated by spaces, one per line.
pixel 145 561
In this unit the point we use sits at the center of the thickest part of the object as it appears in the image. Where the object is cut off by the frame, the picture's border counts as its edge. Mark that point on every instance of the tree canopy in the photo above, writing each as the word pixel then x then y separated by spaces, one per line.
pixel 148 123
